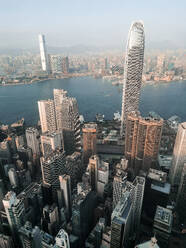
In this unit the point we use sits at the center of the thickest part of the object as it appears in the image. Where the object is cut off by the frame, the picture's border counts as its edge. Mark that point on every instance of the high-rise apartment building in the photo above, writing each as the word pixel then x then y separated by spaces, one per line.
pixel 32 138
pixel 142 141
pixel 51 167
pixel 47 115
pixel 132 71
pixel 65 186
pixel 89 141
pixel 43 53
pixel 179 155
pixel 51 142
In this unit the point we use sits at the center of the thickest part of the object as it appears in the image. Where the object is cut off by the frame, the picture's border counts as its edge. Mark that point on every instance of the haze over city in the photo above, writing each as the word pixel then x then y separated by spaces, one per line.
pixel 97 23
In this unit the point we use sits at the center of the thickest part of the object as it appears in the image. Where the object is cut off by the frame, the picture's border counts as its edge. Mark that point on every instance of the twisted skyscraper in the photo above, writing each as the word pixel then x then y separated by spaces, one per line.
pixel 132 71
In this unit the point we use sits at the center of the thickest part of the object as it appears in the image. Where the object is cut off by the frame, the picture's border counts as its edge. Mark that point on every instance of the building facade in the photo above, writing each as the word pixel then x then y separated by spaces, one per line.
pixel 43 53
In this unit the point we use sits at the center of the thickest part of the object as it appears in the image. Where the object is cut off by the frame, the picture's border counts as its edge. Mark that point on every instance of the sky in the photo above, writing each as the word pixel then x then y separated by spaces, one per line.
pixel 102 23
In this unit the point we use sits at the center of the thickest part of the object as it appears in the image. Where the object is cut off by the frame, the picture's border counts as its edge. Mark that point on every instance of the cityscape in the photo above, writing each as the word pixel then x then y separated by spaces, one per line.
pixel 68 181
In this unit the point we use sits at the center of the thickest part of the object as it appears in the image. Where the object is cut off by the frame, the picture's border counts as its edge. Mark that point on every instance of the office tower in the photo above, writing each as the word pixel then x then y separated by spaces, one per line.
pixel 143 136
pixel 181 196
pixel 133 69
pixel 65 186
pixel 56 62
pixel 62 240
pixel 83 207
pixel 47 115
pixel 15 212
pixel 126 216
pixel 6 241
pixel 32 139
pixel 30 237
pixel 51 167
pixel 5 152
pixel 51 142
pixel 67 117
pixel 65 65
pixel 119 183
pixel 92 171
pixel 74 168
pixel 179 155
pixel 43 53
pixel 13 178
pixel 89 141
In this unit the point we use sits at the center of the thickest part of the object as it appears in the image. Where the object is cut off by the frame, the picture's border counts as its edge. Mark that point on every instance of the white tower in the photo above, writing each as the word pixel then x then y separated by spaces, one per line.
pixel 43 53
pixel 132 71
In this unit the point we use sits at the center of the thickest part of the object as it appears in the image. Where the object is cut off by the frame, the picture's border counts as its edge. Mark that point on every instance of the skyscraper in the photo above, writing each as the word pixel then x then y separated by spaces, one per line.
pixel 65 186
pixel 56 63
pixel 32 138
pixel 43 53
pixel 50 142
pixel 67 118
pixel 15 212
pixel 132 71
pixel 89 141
pixel 179 155
pixel 51 167
pixel 142 141
pixel 181 196
pixel 47 115
pixel 62 240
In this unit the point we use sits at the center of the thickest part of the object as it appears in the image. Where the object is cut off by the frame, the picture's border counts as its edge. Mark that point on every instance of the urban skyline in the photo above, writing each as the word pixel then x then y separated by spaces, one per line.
pixel 71 183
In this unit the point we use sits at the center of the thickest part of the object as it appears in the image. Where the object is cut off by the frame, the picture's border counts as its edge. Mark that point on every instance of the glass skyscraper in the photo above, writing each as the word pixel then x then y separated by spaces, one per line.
pixel 132 71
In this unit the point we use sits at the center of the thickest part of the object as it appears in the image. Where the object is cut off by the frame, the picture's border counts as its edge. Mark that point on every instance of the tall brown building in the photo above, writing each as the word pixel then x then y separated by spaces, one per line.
pixel 89 141
pixel 142 141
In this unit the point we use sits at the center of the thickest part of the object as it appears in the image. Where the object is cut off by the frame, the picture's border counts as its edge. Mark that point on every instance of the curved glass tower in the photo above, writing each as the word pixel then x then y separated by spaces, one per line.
pixel 132 71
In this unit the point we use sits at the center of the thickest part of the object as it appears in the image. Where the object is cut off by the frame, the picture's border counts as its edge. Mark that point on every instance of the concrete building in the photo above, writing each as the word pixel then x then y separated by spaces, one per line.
pixel 181 196
pixel 51 167
pixel 15 211
pixel 13 177
pixel 89 141
pixel 143 136
pixel 30 237
pixel 119 181
pixel 56 63
pixel 47 115
pixel 67 118
pixel 6 241
pixel 43 53
pixel 32 139
pixel 149 244
pixel 179 155
pixel 125 219
pixel 65 186
pixel 65 65
pixel 51 142
pixel 62 240
pixel 133 69
pixel 163 223
pixel 74 168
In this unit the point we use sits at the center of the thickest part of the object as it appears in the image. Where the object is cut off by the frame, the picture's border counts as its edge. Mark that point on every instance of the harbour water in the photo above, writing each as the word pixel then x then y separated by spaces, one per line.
pixel 93 96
